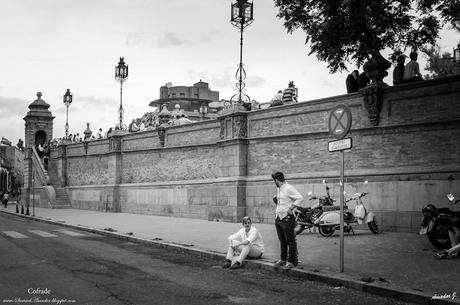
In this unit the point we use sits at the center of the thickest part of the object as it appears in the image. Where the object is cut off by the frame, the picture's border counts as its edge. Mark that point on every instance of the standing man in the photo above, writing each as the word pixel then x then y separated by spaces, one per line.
pixel 287 198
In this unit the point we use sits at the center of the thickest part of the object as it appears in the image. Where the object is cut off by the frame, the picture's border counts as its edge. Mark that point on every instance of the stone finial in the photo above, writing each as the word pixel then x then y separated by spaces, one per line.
pixel 88 131
pixel 39 95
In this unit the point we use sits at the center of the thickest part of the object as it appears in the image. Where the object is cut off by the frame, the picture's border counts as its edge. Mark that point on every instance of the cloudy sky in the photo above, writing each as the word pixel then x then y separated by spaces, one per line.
pixel 52 45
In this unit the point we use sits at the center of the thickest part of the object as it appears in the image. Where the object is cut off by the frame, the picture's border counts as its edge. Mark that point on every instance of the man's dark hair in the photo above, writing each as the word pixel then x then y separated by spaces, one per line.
pixel 246 219
pixel 278 176
pixel 413 55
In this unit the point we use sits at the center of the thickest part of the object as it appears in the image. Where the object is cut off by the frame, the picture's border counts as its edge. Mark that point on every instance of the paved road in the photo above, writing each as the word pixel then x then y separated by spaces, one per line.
pixel 42 262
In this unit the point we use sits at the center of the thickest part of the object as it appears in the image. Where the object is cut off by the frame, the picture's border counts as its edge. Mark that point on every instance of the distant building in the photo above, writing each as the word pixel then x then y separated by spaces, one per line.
pixel 193 101
pixel 11 166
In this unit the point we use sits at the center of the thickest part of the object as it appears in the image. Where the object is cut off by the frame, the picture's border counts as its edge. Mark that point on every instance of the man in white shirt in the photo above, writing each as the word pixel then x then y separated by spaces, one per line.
pixel 287 198
pixel 99 134
pixel 248 241
pixel 412 70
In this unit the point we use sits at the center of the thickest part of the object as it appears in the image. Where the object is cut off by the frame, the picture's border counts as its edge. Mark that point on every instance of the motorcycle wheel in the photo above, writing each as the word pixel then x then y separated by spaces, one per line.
pixel 326 231
pixel 439 234
pixel 373 226
pixel 299 229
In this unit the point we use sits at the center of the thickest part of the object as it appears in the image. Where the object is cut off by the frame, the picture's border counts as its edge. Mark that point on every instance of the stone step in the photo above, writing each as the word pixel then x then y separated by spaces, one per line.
pixel 62 207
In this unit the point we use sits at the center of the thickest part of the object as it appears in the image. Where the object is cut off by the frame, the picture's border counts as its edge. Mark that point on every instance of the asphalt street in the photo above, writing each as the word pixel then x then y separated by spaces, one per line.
pixel 47 264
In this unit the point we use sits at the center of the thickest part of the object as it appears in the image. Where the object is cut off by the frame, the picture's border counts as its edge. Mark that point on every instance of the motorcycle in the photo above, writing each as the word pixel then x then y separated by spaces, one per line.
pixel 305 217
pixel 329 221
pixel 437 222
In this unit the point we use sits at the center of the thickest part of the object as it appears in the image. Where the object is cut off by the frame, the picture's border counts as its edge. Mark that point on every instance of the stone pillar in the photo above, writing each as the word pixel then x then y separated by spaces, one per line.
pixel 27 189
pixel 62 164
pixel 115 166
pixel 234 156
pixel 372 95
pixel 38 129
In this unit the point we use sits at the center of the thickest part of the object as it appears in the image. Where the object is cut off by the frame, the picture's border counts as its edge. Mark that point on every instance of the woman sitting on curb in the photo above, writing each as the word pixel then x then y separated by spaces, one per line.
pixel 247 241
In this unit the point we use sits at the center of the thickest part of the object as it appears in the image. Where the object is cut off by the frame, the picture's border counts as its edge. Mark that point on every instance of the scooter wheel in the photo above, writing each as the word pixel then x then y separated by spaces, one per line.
pixel 326 231
pixel 373 226
pixel 439 234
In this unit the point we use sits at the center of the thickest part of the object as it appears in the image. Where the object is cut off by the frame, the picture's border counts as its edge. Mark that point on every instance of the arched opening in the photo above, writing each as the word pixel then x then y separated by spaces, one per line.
pixel 40 138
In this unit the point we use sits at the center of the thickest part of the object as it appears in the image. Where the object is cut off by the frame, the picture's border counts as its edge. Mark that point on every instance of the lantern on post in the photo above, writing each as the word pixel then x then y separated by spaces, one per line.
pixel 67 99
pixel 242 15
pixel 121 74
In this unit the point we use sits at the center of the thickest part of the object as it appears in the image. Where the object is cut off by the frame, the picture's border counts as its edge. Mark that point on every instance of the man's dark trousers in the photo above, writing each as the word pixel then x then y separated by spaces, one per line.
pixel 285 230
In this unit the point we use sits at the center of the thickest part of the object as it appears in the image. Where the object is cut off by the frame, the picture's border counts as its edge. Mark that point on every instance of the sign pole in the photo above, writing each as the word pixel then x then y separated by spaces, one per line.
pixel 339 124
pixel 342 241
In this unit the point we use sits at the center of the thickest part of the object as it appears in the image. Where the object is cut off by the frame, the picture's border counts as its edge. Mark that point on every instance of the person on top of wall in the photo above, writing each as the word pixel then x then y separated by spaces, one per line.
pixel 398 72
pixel 363 80
pixel 412 69
pixel 133 126
pixel 290 94
pixel 352 82
pixel 247 241
pixel 277 100
pixel 99 134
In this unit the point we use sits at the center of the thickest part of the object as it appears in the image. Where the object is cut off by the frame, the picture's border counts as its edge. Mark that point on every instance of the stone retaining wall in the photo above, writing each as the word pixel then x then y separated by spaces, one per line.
pixel 220 169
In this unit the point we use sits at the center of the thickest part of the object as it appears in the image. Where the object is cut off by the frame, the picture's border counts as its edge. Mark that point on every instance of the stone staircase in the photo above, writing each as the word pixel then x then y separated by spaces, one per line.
pixel 62 199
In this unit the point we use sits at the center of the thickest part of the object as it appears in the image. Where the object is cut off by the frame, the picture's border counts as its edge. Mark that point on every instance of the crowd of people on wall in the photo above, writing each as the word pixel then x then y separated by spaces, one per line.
pixel 407 73
pixel 286 96
pixel 149 121
pixel 402 74
pixel 356 81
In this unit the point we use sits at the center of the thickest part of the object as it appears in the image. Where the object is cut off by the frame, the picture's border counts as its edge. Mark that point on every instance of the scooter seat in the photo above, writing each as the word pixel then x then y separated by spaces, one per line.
pixel 302 209
pixel 331 208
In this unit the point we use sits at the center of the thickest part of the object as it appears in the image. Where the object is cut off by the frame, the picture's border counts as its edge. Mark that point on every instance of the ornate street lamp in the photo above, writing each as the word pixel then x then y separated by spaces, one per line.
pixel 121 73
pixel 457 55
pixel 67 101
pixel 241 16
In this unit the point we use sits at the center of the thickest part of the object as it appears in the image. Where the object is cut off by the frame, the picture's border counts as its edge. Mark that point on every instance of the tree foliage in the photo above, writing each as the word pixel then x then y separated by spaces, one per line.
pixel 439 65
pixel 340 31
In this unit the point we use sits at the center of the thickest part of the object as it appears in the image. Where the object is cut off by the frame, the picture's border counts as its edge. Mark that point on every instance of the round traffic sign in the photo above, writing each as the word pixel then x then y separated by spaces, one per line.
pixel 339 121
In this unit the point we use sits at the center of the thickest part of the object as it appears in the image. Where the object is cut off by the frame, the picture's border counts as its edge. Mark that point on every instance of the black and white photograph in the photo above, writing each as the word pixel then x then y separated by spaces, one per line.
pixel 230 152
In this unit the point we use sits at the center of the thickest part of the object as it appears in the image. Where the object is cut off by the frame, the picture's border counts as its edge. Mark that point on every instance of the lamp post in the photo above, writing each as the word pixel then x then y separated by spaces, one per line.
pixel 457 55
pixel 241 16
pixel 121 74
pixel 67 101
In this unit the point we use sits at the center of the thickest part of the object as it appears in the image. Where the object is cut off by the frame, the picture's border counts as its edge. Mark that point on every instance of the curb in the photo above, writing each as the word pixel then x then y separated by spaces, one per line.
pixel 323 277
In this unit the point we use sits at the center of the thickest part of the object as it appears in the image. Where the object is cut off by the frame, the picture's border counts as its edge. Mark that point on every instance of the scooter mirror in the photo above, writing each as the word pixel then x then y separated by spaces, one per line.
pixel 366 182
pixel 451 197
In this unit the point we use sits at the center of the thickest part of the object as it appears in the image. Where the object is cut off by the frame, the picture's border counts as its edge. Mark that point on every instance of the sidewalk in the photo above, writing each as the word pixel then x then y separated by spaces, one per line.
pixel 397 264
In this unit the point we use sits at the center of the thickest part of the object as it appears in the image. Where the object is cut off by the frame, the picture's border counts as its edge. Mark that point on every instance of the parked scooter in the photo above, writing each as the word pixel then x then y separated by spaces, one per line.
pixel 305 217
pixel 329 221
pixel 437 222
